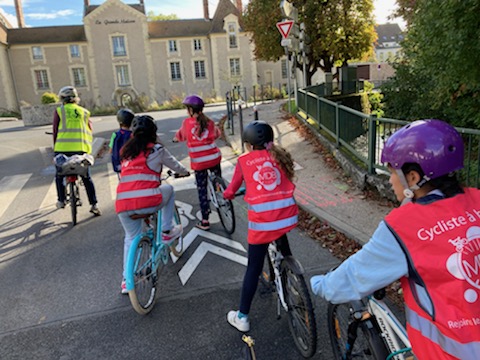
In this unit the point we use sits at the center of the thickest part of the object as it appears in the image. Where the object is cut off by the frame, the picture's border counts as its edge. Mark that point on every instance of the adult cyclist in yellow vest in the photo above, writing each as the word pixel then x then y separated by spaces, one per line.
pixel 72 134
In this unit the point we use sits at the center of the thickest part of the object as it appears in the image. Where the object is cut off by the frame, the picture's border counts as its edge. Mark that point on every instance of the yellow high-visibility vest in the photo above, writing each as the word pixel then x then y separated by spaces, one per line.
pixel 73 134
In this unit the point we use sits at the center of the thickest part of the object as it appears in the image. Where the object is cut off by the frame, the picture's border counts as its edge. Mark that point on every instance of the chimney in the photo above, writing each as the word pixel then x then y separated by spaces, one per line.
pixel 86 3
pixel 141 2
pixel 19 10
pixel 240 7
pixel 205 10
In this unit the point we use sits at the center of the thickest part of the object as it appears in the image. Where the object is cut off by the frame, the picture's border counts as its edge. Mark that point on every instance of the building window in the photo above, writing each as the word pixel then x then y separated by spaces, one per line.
pixel 119 48
pixel 197 44
pixel 232 35
pixel 79 78
pixel 41 77
pixel 199 69
pixel 235 67
pixel 172 45
pixel 123 78
pixel 175 71
pixel 284 69
pixel 74 51
pixel 37 53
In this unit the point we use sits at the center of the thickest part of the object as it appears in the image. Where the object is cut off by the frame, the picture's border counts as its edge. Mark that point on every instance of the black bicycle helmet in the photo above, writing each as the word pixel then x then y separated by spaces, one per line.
pixel 258 133
pixel 125 117
pixel 143 124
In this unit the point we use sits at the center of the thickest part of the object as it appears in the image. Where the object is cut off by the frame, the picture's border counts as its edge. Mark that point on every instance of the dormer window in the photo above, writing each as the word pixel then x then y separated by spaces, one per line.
pixel 232 35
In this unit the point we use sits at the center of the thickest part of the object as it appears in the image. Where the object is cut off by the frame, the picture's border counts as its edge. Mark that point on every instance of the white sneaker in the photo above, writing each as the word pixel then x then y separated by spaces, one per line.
pixel 60 204
pixel 175 232
pixel 242 324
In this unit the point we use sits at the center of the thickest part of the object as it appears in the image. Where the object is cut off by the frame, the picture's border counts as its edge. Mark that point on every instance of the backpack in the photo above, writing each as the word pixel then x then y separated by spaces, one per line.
pixel 121 137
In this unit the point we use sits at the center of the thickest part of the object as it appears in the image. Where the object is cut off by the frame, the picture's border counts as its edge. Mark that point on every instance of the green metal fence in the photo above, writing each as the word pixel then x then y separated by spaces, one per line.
pixel 363 136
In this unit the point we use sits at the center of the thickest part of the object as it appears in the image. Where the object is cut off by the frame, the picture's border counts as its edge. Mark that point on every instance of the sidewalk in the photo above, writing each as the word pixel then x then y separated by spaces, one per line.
pixel 320 190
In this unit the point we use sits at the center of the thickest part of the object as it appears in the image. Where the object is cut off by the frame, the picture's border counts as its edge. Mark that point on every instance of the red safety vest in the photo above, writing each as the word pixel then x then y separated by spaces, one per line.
pixel 203 151
pixel 272 210
pixel 441 241
pixel 139 185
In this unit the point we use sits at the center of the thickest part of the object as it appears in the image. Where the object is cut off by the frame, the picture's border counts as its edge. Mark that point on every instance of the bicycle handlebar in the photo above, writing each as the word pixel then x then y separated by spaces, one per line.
pixel 176 175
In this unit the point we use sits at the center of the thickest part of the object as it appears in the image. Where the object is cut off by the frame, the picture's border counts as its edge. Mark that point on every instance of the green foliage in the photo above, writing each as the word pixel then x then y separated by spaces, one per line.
pixel 104 110
pixel 160 17
pixel 49 98
pixel 439 75
pixel 337 31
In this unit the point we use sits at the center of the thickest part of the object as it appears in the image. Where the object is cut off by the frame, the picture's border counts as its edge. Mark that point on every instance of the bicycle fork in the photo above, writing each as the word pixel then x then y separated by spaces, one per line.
pixel 276 257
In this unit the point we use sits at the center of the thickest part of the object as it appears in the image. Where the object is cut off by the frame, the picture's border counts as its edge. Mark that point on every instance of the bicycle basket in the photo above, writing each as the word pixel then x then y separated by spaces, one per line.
pixel 73 165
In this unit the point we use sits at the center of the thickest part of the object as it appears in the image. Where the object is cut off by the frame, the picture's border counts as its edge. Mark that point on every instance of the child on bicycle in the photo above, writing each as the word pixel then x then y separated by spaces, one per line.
pixel 120 137
pixel 200 133
pixel 431 243
pixel 140 190
pixel 267 170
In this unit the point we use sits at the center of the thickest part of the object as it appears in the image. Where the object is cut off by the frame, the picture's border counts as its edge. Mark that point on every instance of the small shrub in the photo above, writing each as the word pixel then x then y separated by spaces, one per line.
pixel 49 98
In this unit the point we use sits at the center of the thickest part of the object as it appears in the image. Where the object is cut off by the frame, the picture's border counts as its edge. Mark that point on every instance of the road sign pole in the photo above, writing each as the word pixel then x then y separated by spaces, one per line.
pixel 288 81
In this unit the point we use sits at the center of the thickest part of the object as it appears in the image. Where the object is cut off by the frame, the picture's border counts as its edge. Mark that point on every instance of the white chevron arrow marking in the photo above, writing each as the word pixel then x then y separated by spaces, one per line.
pixel 191 265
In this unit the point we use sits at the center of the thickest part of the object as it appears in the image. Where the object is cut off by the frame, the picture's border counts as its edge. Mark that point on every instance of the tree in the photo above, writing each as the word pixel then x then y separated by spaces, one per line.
pixel 439 74
pixel 338 31
pixel 160 17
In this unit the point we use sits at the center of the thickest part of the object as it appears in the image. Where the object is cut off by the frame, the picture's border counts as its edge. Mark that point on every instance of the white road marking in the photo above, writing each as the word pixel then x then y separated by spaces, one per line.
pixel 10 186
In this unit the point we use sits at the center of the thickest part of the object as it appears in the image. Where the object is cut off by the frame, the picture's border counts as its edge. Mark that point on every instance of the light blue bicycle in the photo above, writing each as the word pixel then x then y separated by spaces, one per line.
pixel 145 257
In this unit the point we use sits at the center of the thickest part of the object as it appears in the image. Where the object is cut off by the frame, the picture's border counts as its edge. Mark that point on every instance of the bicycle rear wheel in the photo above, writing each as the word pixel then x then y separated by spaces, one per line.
pixel 367 344
pixel 301 317
pixel 225 207
pixel 73 201
pixel 177 246
pixel 144 292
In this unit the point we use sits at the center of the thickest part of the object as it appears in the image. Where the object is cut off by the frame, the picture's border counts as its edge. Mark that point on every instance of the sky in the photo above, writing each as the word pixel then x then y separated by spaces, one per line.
pixel 70 12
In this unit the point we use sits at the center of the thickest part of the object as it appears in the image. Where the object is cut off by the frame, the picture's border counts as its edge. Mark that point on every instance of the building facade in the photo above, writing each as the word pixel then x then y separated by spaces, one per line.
pixel 118 55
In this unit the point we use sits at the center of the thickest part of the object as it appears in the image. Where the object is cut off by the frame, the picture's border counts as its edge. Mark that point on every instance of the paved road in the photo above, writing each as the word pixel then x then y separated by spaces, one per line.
pixel 60 285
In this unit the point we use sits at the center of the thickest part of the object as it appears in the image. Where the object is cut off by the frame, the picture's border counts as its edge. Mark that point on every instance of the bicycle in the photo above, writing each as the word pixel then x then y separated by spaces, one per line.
pixel 147 253
pixel 284 276
pixel 382 335
pixel 215 188
pixel 72 167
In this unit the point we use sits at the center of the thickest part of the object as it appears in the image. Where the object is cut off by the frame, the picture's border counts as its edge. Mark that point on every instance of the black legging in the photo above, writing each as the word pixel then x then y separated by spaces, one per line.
pixel 201 177
pixel 256 256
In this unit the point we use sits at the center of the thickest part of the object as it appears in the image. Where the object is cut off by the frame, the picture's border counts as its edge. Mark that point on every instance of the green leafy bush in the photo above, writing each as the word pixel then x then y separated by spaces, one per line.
pixel 49 98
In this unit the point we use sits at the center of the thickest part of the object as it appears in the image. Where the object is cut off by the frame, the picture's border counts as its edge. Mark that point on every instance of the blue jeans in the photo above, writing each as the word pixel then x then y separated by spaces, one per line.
pixel 133 227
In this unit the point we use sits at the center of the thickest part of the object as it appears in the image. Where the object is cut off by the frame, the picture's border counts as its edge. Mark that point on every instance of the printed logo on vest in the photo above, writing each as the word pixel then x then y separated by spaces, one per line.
pixel 267 176
pixel 464 264
pixel 195 133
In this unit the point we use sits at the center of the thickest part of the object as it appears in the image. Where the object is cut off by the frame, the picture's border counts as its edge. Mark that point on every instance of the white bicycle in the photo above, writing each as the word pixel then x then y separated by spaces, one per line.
pixel 367 329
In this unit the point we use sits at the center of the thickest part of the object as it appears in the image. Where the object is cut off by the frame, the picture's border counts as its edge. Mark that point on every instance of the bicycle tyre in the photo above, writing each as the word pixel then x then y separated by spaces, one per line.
pixel 143 294
pixel 177 247
pixel 368 344
pixel 73 201
pixel 301 316
pixel 225 207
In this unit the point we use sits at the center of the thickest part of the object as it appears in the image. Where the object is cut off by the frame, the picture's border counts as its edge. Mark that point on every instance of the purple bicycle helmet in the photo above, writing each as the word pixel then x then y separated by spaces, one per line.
pixel 194 101
pixel 433 144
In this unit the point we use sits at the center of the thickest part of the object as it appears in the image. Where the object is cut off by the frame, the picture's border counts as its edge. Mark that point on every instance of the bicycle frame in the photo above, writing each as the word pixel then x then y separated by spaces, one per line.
pixel 211 190
pixel 159 251
pixel 392 331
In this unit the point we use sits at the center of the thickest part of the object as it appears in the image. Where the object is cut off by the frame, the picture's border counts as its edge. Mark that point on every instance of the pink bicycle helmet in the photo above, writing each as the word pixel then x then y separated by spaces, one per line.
pixel 432 144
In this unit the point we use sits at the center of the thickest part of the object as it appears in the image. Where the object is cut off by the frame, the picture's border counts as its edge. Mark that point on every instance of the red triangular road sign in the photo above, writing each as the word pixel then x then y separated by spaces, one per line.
pixel 284 27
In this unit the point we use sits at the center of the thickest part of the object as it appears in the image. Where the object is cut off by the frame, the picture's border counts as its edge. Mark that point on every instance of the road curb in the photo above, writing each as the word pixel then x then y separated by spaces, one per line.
pixel 97 145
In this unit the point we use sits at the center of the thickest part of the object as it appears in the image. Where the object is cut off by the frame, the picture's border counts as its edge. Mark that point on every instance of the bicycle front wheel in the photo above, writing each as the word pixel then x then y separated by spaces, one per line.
pixel 144 291
pixel 367 343
pixel 73 201
pixel 225 207
pixel 301 317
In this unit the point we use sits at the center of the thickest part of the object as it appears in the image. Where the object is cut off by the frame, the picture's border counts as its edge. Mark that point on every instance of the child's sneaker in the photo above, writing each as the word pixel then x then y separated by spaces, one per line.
pixel 241 324
pixel 204 225
pixel 60 204
pixel 169 237
pixel 124 287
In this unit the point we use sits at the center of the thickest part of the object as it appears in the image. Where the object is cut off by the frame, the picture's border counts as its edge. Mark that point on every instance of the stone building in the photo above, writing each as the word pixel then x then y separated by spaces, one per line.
pixel 118 55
